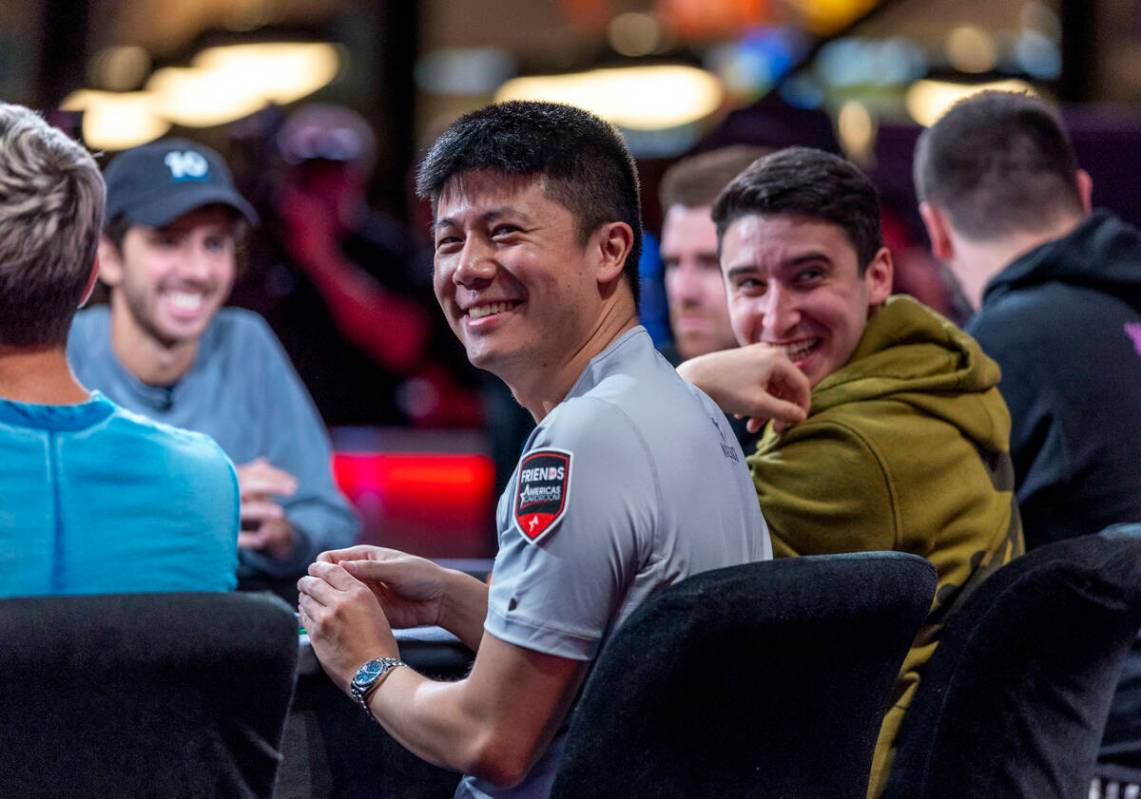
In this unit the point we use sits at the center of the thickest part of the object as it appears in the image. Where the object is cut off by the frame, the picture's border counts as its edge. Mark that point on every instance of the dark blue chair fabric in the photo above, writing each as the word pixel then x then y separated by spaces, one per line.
pixel 1015 699
pixel 144 695
pixel 763 680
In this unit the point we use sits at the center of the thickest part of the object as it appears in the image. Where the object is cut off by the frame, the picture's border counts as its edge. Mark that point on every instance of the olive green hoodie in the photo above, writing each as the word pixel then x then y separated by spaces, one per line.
pixel 906 448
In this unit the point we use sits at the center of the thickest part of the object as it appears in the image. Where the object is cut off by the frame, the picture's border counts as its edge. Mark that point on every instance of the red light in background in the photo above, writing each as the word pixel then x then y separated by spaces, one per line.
pixel 437 504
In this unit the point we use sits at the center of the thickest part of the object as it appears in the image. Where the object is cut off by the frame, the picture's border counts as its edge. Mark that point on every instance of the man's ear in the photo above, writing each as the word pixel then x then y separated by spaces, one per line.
pixel 1084 183
pixel 108 263
pixel 615 240
pixel 878 277
pixel 938 231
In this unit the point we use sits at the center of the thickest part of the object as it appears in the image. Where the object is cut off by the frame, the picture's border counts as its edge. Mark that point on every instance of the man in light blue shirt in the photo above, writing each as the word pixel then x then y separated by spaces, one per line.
pixel 166 349
pixel 93 499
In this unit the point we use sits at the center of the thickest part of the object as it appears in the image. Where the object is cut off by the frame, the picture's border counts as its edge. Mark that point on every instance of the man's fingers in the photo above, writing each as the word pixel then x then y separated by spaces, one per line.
pixel 358 552
pixel 781 410
pixel 316 589
pixel 333 575
pixel 789 383
pixel 254 539
pixel 267 485
pixel 261 477
pixel 371 570
pixel 260 511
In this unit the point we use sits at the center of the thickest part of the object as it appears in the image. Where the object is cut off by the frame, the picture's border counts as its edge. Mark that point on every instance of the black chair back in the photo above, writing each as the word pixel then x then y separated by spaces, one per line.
pixel 144 695
pixel 763 680
pixel 1015 699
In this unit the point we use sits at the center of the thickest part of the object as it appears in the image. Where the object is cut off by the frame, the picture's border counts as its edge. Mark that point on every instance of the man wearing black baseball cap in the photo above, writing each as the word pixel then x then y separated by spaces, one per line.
pixel 167 349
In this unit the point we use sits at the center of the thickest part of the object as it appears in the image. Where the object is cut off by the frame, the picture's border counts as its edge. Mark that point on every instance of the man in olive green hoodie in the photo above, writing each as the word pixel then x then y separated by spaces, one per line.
pixel 906 443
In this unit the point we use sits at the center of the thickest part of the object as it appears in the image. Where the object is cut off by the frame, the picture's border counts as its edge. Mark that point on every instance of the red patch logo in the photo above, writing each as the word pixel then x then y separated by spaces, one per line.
pixel 542 491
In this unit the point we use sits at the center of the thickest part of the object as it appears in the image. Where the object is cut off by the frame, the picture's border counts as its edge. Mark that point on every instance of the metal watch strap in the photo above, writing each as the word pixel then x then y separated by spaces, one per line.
pixel 361 695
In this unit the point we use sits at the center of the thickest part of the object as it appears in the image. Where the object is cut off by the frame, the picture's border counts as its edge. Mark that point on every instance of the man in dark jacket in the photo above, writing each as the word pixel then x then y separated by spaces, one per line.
pixel 1058 291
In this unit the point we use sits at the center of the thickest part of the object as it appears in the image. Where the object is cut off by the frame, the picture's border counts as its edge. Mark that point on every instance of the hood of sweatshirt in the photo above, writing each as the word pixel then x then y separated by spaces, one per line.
pixel 1101 253
pixel 910 354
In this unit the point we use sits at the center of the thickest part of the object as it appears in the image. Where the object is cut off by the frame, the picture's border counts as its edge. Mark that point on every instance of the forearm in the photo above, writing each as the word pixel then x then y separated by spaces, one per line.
pixel 493 724
pixel 429 718
pixel 703 372
pixel 464 608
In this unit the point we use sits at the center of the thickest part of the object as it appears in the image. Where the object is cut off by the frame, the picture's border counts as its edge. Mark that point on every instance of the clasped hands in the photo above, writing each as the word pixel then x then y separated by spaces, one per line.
pixel 353 598
pixel 265 526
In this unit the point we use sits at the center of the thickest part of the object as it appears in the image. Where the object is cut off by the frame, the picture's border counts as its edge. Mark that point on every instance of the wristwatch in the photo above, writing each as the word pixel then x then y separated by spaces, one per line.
pixel 369 676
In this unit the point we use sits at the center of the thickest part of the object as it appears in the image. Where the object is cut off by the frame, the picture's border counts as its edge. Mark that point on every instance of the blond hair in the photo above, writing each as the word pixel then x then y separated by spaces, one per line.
pixel 51 212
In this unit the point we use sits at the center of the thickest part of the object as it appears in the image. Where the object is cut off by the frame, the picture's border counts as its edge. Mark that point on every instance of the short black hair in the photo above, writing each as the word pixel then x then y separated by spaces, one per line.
pixel 998 163
pixel 583 161
pixel 801 181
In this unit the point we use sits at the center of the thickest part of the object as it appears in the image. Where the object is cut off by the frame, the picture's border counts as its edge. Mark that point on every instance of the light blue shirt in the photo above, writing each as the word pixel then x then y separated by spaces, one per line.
pixel 96 500
pixel 242 392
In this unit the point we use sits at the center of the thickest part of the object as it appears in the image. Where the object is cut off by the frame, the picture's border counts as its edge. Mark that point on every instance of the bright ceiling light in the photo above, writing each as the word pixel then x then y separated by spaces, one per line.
pixel 637 98
pixel 857 130
pixel 201 98
pixel 227 83
pixel 282 72
pixel 116 120
pixel 971 49
pixel 927 100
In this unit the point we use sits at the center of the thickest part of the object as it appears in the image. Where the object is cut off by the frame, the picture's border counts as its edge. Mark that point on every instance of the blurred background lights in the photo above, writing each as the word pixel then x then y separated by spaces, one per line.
pixel 825 17
pixel 635 34
pixel 1037 55
pixel 281 72
pixel 927 100
pixel 120 69
pixel 638 98
pixel 465 71
pixel 856 130
pixel 116 120
pixel 853 61
pixel 971 49
pixel 201 98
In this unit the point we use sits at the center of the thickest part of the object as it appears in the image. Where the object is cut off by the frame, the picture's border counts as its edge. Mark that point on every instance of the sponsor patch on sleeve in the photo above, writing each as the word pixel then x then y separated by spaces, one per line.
pixel 542 492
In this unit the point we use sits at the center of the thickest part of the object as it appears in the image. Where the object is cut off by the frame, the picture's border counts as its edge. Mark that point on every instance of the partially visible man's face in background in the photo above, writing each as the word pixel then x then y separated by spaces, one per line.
pixel 699 313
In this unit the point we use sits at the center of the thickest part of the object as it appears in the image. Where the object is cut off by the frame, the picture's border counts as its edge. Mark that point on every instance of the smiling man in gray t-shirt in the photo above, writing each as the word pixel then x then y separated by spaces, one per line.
pixel 631 482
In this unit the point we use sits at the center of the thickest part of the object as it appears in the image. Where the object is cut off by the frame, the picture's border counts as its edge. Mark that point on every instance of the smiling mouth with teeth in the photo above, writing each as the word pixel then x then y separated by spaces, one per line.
pixel 480 311
pixel 797 350
pixel 185 300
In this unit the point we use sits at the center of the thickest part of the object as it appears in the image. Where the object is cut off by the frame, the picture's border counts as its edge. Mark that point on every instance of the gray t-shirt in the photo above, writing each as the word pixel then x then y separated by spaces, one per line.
pixel 632 483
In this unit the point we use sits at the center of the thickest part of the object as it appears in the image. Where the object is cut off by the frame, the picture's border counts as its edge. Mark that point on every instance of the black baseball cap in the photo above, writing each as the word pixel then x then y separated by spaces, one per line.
pixel 155 184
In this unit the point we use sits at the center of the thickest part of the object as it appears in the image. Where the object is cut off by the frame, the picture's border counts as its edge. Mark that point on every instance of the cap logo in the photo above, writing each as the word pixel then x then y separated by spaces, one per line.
pixel 186 165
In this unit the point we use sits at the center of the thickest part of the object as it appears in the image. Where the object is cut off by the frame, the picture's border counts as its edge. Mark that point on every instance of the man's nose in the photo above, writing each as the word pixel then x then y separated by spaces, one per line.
pixel 781 313
pixel 476 263
pixel 683 285
pixel 196 264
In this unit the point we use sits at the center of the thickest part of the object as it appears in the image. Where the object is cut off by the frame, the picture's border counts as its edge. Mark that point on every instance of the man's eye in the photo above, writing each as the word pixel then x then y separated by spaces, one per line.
pixel 810 275
pixel 216 243
pixel 499 231
pixel 446 241
pixel 750 284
